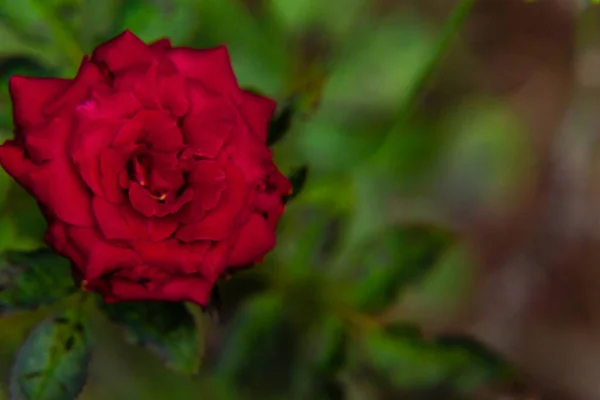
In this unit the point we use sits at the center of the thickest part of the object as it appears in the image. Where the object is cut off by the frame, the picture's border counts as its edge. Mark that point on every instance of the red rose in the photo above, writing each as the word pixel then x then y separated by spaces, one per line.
pixel 151 167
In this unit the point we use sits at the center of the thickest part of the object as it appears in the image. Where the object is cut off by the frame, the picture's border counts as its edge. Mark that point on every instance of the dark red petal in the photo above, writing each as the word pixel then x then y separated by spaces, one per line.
pixel 112 164
pixel 86 144
pixel 255 240
pixel 123 51
pixel 48 141
pixel 31 95
pixel 155 127
pixel 172 256
pixel 166 179
pixel 257 111
pixel 205 133
pixel 161 131
pixel 212 67
pixel 102 257
pixel 109 105
pixel 178 289
pixel 57 186
pixel 56 236
pixel 205 171
pixel 112 222
pixel 142 200
pixel 208 181
pixel 206 197
pixel 161 45
pixel 172 94
pixel 218 224
pixel 12 159
pixel 83 238
pixel 215 260
pixel 79 89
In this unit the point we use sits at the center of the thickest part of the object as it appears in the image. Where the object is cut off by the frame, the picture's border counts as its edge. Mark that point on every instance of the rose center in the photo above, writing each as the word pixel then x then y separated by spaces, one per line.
pixel 139 169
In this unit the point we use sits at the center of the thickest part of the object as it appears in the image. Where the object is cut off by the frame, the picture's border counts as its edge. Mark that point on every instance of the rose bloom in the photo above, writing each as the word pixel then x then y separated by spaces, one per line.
pixel 151 168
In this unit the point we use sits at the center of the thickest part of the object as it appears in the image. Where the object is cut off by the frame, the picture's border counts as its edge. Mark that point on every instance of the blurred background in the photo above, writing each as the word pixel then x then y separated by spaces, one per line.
pixel 446 244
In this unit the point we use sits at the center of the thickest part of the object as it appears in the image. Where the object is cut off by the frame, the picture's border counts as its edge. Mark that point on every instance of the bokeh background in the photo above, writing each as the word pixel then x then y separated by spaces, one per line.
pixel 446 242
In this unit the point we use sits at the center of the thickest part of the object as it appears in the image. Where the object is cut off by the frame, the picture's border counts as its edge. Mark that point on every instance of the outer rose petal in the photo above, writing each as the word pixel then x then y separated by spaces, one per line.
pixel 258 110
pixel 121 222
pixel 48 141
pixel 256 239
pixel 178 289
pixel 123 51
pixel 79 89
pixel 65 197
pixel 212 67
pixel 161 45
pixel 101 256
pixel 56 236
pixel 14 162
pixel 174 257
pixel 30 95
pixel 56 185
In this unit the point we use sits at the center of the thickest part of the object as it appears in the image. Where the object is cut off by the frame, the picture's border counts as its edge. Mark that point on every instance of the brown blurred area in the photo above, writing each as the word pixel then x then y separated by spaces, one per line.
pixel 537 296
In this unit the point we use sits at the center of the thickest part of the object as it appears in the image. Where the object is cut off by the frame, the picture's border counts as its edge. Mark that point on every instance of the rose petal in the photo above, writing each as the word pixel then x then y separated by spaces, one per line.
pixel 223 218
pixel 79 90
pixel 111 165
pixel 178 289
pixel 257 111
pixel 155 128
pixel 255 240
pixel 30 95
pixel 206 171
pixel 123 51
pixel 161 45
pixel 215 260
pixel 172 256
pixel 86 144
pixel 13 161
pixel 112 221
pixel 109 105
pixel 48 141
pixel 206 132
pixel 57 186
pixel 121 222
pixel 212 67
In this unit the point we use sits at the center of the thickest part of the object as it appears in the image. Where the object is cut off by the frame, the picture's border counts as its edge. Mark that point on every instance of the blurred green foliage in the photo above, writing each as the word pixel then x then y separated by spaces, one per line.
pixel 322 317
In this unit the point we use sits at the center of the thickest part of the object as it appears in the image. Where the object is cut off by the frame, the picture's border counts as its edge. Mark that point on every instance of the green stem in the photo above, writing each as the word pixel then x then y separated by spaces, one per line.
pixel 449 33
pixel 65 39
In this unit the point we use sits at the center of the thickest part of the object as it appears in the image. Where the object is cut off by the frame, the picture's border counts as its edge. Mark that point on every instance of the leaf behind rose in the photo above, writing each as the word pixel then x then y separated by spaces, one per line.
pixel 33 279
pixel 398 356
pixel 166 329
pixel 53 362
pixel 298 180
pixel 281 123
pixel 394 260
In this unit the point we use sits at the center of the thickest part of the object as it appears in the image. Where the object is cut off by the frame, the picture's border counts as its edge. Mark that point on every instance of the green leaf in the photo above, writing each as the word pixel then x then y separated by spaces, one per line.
pixel 280 125
pixel 167 329
pixel 32 279
pixel 261 333
pixel 408 362
pixel 298 180
pixel 53 362
pixel 395 260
